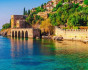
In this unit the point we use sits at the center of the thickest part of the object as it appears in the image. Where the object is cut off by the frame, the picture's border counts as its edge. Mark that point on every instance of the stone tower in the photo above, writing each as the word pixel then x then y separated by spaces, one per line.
pixel 15 18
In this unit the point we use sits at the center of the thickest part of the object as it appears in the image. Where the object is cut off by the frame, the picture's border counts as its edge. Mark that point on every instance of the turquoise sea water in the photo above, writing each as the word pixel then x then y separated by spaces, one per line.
pixel 29 54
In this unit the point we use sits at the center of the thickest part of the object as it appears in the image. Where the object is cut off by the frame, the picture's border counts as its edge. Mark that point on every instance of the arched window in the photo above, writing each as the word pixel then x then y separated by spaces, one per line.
pixel 15 33
pixel 26 34
pixel 19 34
pixel 22 34
pixel 12 33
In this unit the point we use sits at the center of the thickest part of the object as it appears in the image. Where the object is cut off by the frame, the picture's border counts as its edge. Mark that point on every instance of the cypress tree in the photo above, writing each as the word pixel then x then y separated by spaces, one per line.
pixel 28 11
pixel 24 11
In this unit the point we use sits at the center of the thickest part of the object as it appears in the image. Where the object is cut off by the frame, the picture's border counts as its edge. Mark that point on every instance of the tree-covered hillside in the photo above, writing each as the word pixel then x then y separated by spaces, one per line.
pixel 70 14
pixel 66 12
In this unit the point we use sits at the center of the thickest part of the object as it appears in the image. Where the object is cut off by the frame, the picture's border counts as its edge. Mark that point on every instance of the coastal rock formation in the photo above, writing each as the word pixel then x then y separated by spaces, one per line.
pixel 6 32
pixel 57 38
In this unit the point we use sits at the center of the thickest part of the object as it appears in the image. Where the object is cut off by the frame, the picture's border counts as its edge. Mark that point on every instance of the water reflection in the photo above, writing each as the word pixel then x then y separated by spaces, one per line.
pixel 53 55
pixel 21 47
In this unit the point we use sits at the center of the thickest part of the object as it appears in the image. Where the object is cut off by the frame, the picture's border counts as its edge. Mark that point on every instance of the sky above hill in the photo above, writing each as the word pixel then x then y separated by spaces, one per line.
pixel 15 7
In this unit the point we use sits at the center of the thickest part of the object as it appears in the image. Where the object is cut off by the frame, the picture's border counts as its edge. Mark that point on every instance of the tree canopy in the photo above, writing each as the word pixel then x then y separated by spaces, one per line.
pixel 70 14
pixel 7 25
pixel 46 26
pixel 86 2
pixel 33 19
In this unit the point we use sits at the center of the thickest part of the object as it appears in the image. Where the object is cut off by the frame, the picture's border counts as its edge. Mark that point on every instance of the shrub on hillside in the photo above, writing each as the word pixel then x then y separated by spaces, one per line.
pixel 86 2
pixel 7 25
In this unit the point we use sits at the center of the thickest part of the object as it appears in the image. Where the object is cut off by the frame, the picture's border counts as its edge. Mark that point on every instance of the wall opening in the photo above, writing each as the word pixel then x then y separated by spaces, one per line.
pixel 12 33
pixel 26 34
pixel 22 34
pixel 19 34
pixel 15 33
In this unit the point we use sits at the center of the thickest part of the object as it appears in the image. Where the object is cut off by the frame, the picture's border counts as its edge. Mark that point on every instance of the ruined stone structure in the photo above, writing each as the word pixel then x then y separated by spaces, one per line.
pixel 75 34
pixel 21 24
pixel 18 21
pixel 25 33
pixel 19 28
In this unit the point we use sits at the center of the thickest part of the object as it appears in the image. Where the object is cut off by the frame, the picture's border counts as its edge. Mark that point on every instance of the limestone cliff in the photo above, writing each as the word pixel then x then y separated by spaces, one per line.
pixel 6 32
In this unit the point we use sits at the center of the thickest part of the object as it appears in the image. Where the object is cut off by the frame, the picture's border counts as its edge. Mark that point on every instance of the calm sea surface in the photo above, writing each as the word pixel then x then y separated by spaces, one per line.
pixel 29 54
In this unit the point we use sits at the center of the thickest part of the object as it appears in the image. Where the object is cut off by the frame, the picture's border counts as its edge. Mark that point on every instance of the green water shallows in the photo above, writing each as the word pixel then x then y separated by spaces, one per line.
pixel 29 54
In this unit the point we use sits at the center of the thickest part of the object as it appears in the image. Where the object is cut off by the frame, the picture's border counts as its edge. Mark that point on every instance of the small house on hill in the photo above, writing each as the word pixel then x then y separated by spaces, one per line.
pixel 78 1
pixel 33 10
pixel 51 4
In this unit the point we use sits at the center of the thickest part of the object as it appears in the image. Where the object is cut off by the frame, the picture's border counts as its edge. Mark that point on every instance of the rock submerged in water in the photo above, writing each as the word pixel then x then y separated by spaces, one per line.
pixel 54 38
pixel 46 37
pixel 57 38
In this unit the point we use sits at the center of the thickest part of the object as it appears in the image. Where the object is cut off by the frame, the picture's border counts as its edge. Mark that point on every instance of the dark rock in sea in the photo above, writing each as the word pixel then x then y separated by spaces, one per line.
pixel 57 38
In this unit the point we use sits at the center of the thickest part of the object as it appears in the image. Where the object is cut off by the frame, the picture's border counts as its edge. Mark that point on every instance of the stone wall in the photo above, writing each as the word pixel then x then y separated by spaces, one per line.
pixel 75 34
pixel 36 33
pixel 25 32
pixel 21 24
pixel 14 19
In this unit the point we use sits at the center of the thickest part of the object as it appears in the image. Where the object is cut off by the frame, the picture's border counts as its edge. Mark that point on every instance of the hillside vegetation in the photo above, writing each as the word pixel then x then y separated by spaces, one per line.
pixel 65 13
pixel 71 15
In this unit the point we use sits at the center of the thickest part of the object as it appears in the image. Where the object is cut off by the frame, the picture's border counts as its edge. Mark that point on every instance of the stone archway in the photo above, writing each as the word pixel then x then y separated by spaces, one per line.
pixel 15 33
pixel 18 34
pixel 22 34
pixel 12 33
pixel 26 34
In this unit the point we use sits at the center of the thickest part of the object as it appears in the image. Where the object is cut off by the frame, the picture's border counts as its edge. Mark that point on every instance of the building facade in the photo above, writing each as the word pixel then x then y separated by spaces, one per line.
pixel 78 1
pixel 19 28
pixel 55 2
pixel 51 4
pixel 18 21
pixel 21 24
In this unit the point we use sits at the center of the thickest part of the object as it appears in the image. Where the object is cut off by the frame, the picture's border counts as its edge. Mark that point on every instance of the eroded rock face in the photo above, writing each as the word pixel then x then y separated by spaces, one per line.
pixel 57 38
pixel 6 32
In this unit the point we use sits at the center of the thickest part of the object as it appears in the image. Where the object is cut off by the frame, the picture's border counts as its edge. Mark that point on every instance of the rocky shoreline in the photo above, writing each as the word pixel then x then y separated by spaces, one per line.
pixel 6 32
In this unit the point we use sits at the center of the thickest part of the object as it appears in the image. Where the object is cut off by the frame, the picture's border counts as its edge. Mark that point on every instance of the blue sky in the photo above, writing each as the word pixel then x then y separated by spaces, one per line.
pixel 15 7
